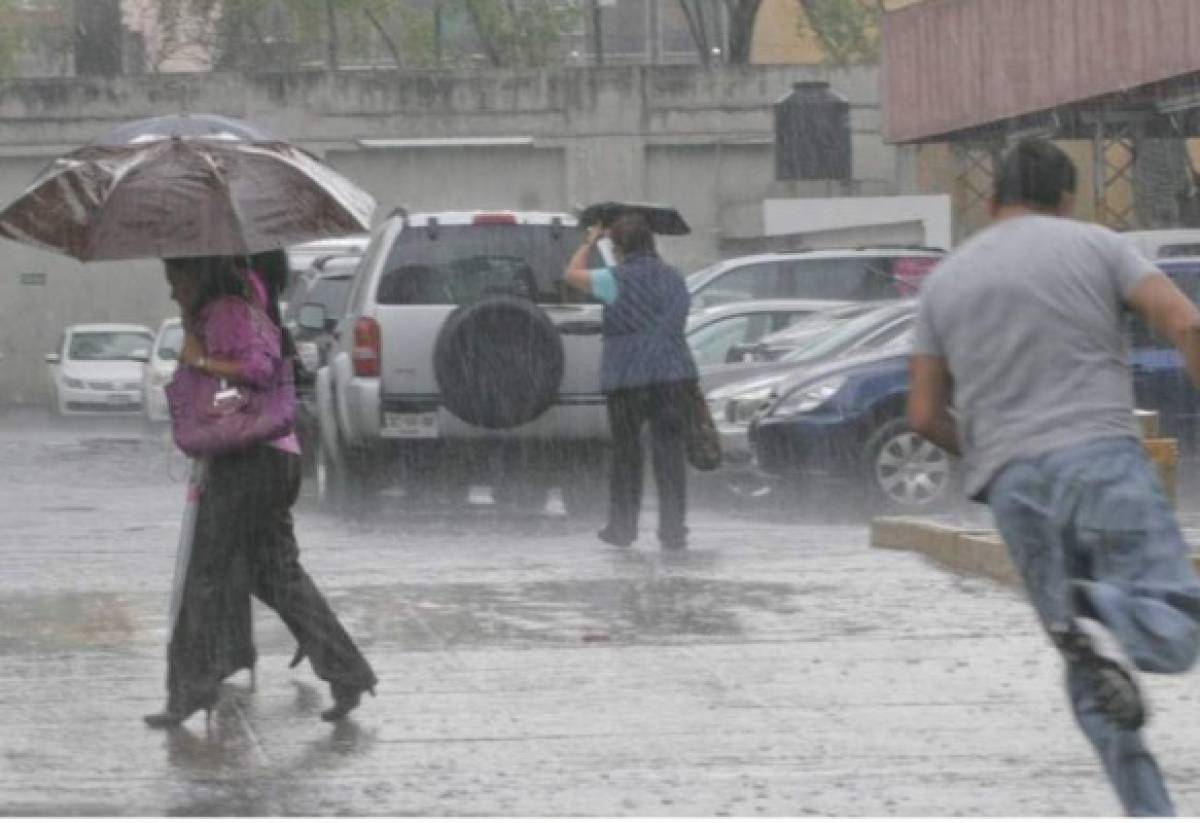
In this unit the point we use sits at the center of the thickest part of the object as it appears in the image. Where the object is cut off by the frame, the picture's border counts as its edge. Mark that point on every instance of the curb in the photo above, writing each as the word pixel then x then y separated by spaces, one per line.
pixel 979 552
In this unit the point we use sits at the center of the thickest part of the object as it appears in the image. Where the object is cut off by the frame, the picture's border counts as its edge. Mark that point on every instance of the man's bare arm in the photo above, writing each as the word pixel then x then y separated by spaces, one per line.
pixel 930 393
pixel 1170 313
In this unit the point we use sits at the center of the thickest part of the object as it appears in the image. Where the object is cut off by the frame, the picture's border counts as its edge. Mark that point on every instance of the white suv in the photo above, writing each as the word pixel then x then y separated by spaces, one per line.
pixel 464 358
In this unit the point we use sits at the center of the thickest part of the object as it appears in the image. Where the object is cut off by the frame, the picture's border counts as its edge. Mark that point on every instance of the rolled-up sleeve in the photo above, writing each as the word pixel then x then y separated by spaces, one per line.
pixel 234 331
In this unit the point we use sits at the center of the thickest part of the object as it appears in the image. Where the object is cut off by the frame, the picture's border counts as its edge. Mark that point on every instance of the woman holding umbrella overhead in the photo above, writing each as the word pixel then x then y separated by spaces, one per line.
pixel 244 541
pixel 201 191
pixel 647 374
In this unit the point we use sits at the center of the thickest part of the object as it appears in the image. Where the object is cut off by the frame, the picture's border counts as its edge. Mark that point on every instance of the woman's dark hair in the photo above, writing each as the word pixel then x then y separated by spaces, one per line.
pixel 631 234
pixel 1036 173
pixel 218 277
pixel 226 277
pixel 272 267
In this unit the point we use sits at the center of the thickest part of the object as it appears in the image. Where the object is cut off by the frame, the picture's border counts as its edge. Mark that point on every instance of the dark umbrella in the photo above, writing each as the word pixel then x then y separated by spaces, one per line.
pixel 661 219
pixel 181 186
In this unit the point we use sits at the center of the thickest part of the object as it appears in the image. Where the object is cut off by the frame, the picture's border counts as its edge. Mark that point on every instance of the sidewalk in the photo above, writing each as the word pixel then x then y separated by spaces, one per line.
pixel 761 678
pixel 775 669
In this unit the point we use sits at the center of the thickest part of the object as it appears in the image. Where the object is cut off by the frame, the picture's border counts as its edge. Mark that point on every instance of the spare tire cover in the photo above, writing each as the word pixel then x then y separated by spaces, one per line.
pixel 498 362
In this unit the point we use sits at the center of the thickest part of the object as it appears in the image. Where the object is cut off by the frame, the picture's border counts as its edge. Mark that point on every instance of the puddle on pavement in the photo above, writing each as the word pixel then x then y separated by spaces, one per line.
pixel 66 622
pixel 552 612
pixel 646 609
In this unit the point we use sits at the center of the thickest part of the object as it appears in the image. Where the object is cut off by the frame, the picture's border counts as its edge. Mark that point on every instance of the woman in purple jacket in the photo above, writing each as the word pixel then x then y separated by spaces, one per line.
pixel 244 541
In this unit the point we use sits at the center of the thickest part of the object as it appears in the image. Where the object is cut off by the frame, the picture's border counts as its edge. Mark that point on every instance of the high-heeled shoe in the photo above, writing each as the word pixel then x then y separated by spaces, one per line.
pixel 345 700
pixel 171 719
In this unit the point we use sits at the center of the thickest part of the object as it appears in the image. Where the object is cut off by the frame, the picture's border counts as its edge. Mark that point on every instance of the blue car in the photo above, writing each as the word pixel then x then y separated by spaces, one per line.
pixel 846 422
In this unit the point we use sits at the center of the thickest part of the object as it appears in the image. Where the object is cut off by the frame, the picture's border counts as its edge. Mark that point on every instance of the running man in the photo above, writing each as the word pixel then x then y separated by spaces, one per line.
pixel 1021 366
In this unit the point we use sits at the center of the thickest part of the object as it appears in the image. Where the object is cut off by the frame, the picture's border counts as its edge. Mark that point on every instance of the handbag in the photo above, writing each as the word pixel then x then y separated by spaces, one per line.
pixel 210 416
pixel 702 442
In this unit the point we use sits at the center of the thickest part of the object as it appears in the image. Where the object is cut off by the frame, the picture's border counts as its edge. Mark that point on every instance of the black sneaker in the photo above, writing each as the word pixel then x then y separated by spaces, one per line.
pixel 1089 645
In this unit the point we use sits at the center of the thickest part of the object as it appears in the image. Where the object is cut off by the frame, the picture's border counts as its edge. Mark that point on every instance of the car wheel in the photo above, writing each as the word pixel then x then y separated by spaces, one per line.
pixel 904 471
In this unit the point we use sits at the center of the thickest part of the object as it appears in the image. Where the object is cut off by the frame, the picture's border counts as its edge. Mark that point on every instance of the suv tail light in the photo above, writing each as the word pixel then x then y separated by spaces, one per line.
pixel 495 219
pixel 366 347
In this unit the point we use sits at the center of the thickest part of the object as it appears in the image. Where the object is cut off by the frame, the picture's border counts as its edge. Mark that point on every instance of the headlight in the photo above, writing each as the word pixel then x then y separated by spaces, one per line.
pixel 72 383
pixel 811 397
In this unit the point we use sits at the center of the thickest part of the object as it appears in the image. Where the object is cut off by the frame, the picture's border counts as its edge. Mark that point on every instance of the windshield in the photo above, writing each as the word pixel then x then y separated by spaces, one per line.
pixel 331 292
pixel 840 337
pixel 109 345
pixel 170 343
pixel 697 278
pixel 456 265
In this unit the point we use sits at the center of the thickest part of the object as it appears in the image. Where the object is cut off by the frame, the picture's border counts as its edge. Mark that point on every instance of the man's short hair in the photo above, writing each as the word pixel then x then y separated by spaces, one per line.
pixel 631 234
pixel 1035 173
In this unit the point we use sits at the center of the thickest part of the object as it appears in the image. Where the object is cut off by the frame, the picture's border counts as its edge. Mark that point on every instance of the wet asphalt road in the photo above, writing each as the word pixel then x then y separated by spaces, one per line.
pixel 779 667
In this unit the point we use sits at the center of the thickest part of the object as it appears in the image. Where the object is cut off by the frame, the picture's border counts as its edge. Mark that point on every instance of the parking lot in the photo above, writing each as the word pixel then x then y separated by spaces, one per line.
pixel 778 667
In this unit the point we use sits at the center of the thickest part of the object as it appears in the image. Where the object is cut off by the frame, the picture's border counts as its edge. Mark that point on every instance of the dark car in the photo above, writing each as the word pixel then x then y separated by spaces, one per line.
pixel 846 422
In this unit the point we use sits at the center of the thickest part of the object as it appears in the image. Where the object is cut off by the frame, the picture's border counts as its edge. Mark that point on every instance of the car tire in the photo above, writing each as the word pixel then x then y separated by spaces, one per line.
pixel 904 472
pixel 498 362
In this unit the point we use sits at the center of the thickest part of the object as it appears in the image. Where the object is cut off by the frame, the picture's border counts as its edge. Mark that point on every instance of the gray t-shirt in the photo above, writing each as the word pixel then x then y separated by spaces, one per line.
pixel 1029 317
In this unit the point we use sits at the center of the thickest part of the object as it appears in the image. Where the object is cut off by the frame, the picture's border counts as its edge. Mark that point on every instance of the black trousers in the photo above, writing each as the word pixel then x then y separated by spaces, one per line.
pixel 245 544
pixel 662 406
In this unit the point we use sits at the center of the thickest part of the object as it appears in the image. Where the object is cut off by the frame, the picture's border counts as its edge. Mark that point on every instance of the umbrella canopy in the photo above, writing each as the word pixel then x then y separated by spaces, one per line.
pixel 661 219
pixel 184 186
pixel 213 126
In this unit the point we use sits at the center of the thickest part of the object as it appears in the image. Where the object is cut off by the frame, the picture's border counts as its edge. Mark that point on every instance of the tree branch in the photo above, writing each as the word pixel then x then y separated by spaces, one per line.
pixel 699 36
pixel 387 38
pixel 485 36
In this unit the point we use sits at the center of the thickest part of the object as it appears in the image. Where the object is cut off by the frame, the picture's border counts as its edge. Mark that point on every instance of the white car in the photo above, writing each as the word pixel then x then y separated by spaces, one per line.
pixel 161 368
pixel 461 355
pixel 98 368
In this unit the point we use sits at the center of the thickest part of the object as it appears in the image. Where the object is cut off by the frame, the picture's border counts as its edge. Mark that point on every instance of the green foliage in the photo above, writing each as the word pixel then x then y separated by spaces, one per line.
pixel 33 28
pixel 848 30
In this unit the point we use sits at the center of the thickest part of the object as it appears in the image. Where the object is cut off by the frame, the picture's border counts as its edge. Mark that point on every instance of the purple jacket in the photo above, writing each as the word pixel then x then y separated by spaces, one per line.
pixel 233 329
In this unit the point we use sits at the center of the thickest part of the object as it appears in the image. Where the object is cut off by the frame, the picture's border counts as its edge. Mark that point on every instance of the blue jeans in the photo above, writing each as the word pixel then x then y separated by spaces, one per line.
pixel 1093 534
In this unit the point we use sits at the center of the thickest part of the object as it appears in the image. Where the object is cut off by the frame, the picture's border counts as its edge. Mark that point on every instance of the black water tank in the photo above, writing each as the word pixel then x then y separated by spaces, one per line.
pixel 812 134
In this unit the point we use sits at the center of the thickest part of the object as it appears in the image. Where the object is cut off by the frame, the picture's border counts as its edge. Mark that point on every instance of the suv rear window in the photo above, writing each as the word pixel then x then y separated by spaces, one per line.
pixel 457 265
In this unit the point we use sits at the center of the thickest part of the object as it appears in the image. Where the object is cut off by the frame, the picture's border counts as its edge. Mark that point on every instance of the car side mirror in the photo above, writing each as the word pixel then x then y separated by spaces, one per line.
pixel 53 359
pixel 312 317
pixel 168 354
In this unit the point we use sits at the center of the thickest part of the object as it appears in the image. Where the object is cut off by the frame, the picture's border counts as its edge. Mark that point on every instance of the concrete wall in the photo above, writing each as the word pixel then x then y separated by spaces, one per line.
pixel 701 139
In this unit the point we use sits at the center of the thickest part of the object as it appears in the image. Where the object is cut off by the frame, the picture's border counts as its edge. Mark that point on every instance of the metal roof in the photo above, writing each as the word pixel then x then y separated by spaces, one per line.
pixel 955 69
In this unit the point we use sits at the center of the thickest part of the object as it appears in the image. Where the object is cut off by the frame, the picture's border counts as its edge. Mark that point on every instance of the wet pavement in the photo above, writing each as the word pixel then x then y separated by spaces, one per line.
pixel 779 667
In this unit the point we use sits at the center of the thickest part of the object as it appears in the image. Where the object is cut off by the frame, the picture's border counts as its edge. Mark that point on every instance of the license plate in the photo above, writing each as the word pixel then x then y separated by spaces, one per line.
pixel 410 424
pixel 120 399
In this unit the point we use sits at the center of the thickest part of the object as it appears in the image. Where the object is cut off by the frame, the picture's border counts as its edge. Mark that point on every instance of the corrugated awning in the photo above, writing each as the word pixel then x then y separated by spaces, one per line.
pixel 956 69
